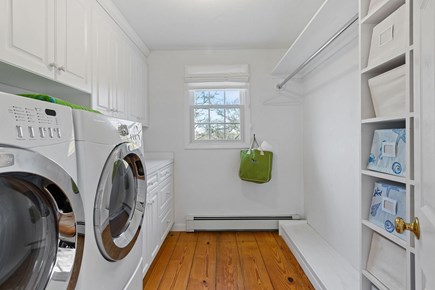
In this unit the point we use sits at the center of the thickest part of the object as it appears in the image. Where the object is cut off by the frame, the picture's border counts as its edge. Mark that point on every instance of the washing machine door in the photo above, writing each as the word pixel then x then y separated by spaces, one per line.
pixel 120 202
pixel 41 223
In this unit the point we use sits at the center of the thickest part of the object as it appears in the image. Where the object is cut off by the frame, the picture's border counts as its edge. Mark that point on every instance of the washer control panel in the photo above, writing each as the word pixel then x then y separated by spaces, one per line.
pixel 37 122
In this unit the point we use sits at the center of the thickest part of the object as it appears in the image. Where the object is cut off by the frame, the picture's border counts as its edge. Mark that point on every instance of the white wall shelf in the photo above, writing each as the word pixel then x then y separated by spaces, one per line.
pixel 384 176
pixel 384 119
pixel 374 280
pixel 334 12
pixel 376 16
pixel 386 234
pixel 370 122
pixel 392 62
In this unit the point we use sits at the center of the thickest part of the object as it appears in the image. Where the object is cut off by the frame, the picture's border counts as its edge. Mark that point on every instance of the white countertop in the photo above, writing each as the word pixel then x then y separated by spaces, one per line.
pixel 153 165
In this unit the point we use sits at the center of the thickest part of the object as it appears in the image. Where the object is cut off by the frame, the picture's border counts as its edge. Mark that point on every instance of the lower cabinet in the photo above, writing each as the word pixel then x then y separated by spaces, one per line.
pixel 159 211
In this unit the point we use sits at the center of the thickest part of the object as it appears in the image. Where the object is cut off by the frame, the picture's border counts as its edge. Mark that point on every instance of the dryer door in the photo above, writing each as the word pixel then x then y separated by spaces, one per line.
pixel 119 203
pixel 41 223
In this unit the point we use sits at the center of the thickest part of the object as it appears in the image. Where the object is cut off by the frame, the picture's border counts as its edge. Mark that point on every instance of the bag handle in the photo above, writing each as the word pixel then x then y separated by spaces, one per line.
pixel 254 140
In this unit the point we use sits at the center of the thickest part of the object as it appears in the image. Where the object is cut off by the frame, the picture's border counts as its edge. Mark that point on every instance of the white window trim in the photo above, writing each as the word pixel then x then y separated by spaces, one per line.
pixel 219 144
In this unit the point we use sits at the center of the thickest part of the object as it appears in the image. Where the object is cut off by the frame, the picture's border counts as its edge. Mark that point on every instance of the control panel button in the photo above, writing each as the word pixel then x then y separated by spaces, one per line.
pixel 59 135
pixel 42 132
pixel 31 132
pixel 19 131
pixel 50 132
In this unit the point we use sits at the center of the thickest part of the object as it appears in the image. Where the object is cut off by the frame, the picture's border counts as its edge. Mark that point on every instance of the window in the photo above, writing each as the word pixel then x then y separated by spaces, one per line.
pixel 218 115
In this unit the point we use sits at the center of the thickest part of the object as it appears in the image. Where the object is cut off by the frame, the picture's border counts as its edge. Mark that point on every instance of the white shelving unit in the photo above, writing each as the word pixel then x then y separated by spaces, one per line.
pixel 370 122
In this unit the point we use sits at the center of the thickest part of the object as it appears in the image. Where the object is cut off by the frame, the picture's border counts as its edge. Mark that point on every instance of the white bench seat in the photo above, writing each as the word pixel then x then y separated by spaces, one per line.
pixel 325 268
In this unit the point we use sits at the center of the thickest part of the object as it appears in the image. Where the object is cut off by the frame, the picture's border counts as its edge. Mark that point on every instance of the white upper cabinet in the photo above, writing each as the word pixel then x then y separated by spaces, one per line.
pixel 72 43
pixel 138 103
pixel 103 59
pixel 47 37
pixel 109 67
pixel 119 70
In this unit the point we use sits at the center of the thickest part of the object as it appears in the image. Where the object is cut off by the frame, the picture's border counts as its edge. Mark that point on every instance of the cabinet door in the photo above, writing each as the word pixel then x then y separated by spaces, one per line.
pixel 27 35
pixel 147 239
pixel 154 225
pixel 72 43
pixel 103 59
pixel 122 75
pixel 137 100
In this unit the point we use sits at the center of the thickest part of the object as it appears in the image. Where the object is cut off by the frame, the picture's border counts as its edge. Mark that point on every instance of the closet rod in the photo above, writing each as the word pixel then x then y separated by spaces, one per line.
pixel 337 34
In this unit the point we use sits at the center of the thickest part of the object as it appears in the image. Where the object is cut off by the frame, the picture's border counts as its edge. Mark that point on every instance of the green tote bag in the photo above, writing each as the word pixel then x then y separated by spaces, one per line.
pixel 255 164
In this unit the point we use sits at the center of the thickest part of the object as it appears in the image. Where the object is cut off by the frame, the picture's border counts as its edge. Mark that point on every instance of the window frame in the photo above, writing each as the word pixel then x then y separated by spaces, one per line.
pixel 244 117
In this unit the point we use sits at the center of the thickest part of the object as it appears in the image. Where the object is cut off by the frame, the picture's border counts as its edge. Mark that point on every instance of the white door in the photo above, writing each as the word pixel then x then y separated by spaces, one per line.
pixel 425 189
pixel 72 43
pixel 27 35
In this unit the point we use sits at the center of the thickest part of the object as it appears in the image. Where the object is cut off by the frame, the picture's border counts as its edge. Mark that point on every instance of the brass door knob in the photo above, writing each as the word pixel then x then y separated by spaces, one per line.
pixel 414 226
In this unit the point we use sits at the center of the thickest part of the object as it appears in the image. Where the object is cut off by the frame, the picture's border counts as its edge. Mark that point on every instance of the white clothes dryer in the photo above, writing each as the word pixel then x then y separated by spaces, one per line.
pixel 111 173
pixel 42 222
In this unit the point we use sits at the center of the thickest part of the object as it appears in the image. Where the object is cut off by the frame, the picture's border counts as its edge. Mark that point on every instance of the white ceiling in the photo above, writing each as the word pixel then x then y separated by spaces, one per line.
pixel 218 24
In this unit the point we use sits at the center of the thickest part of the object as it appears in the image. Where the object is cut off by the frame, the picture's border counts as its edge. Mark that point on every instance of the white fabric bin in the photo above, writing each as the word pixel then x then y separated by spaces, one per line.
pixel 387 262
pixel 389 37
pixel 388 92
pixel 374 5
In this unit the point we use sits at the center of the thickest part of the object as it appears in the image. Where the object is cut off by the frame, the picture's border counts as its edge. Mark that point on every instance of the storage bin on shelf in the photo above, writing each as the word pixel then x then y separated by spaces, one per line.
pixel 387 262
pixel 389 37
pixel 388 202
pixel 374 5
pixel 388 152
pixel 388 92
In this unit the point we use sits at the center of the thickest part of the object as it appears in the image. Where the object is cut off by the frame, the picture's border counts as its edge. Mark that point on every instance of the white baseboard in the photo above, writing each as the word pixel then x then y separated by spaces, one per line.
pixel 179 228
pixel 235 223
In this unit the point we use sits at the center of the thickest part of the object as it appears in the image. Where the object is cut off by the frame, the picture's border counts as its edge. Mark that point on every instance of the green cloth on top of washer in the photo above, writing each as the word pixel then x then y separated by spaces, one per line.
pixel 54 100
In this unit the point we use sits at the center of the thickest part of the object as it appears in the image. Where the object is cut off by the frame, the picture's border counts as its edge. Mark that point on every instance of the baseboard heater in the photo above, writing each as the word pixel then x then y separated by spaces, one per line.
pixel 235 223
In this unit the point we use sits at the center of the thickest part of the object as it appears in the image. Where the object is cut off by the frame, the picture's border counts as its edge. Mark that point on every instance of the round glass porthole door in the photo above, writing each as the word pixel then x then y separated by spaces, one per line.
pixel 119 204
pixel 40 241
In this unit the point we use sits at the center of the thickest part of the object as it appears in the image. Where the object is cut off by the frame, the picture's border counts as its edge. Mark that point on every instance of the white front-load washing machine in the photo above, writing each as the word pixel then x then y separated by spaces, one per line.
pixel 42 222
pixel 111 174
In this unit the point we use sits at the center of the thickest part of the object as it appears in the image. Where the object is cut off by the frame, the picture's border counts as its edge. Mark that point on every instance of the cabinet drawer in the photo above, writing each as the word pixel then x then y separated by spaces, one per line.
pixel 166 224
pixel 152 181
pixel 165 198
pixel 165 172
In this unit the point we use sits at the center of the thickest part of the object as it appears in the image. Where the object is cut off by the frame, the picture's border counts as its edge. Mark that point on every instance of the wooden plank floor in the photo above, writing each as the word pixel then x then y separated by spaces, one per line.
pixel 225 260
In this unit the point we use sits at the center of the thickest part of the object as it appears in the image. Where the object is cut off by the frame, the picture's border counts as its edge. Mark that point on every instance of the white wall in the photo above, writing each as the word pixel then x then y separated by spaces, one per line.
pixel 206 181
pixel 331 150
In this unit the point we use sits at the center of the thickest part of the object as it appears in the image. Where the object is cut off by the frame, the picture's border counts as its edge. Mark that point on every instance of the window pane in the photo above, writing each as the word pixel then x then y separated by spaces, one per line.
pixel 232 97
pixel 200 116
pixel 217 115
pixel 202 132
pixel 201 98
pixel 217 97
pixel 217 132
pixel 232 115
pixel 232 131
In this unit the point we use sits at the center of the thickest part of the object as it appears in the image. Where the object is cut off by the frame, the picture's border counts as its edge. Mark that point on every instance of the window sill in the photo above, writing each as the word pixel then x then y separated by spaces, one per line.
pixel 216 145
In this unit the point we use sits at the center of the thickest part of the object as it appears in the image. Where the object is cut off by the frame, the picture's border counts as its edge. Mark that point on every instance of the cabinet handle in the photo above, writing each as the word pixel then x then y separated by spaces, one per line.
pixel 414 226
pixel 61 68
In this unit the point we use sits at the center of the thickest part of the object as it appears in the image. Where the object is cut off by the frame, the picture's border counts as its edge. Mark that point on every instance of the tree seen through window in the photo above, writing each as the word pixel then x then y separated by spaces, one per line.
pixel 217 115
